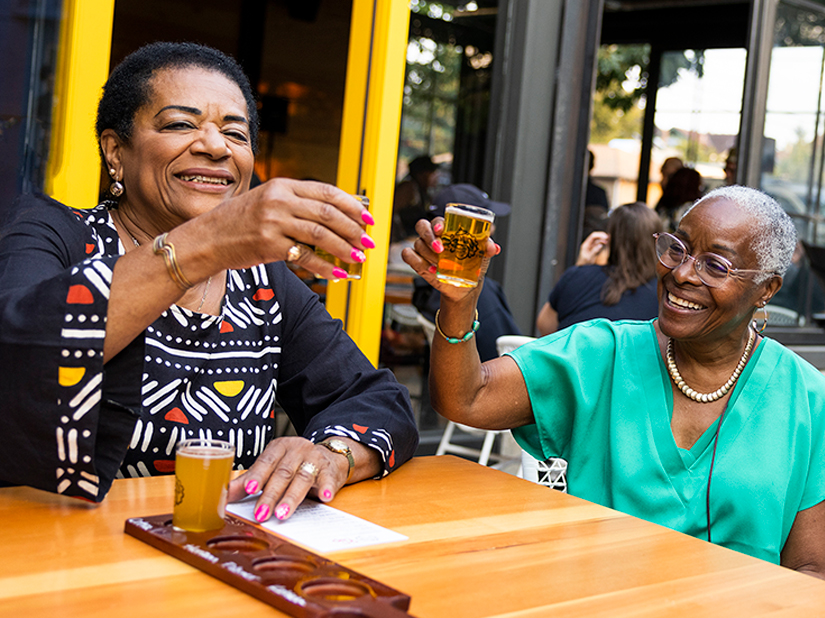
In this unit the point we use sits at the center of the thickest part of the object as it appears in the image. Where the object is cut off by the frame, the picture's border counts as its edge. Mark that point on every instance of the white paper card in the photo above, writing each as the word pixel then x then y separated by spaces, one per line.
pixel 321 527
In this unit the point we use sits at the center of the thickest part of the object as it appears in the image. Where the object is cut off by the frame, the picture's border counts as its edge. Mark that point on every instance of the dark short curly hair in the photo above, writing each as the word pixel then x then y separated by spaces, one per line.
pixel 128 87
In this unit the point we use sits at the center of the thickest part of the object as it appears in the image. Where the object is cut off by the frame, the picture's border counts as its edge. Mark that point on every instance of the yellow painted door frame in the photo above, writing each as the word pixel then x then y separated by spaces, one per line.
pixel 73 170
pixel 368 152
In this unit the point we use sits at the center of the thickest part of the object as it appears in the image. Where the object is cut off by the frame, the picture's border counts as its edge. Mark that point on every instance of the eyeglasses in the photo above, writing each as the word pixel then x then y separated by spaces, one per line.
pixel 713 270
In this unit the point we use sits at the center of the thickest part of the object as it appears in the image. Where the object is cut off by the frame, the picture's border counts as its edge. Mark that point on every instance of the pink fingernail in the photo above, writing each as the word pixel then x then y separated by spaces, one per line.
pixel 262 513
pixel 339 273
pixel 438 227
pixel 327 494
pixel 366 217
pixel 251 487
pixel 357 255
pixel 498 248
pixel 368 242
pixel 437 246
pixel 282 511
pixel 433 269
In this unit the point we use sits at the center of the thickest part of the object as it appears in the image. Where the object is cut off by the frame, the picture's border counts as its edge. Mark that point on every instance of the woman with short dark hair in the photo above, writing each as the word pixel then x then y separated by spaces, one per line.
pixel 168 311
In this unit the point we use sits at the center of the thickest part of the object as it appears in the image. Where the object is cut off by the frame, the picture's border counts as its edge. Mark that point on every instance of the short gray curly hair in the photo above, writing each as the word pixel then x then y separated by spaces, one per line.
pixel 775 238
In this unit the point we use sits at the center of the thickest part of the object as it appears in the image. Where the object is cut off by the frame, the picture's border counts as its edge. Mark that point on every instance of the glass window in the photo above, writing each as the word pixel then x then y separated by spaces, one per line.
pixel 29 33
pixel 792 161
pixel 698 111
pixel 696 121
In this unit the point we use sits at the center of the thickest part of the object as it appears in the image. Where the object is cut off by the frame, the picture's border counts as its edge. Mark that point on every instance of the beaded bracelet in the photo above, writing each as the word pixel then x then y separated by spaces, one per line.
pixel 162 247
pixel 467 336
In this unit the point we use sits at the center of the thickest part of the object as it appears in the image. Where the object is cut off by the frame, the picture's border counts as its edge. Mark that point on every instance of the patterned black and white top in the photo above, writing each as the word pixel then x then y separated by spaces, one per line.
pixel 74 423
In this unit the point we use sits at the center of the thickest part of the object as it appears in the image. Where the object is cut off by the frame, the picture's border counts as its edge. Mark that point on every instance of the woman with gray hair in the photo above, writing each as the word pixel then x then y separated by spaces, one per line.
pixel 693 420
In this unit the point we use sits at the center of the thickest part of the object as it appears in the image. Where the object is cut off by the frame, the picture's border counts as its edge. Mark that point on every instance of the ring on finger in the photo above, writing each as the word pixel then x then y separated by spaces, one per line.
pixel 310 468
pixel 295 252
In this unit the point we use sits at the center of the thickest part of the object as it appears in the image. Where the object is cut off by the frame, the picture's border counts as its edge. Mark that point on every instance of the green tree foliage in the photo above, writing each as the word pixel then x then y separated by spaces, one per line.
pixel 621 82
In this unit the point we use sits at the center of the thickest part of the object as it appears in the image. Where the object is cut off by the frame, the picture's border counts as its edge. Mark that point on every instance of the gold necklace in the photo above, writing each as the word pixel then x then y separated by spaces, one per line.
pixel 679 381
pixel 137 244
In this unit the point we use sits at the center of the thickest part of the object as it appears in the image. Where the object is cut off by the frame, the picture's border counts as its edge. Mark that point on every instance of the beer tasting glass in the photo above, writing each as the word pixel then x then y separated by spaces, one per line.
pixel 353 270
pixel 466 230
pixel 202 471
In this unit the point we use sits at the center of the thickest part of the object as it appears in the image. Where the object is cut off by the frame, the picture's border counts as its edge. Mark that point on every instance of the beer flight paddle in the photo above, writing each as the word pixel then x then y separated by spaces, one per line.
pixel 273 570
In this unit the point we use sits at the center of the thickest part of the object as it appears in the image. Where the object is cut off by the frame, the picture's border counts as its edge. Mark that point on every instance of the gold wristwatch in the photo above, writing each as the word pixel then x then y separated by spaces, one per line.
pixel 340 447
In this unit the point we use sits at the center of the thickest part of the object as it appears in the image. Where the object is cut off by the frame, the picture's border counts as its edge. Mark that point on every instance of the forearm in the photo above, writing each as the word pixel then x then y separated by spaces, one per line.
pixel 143 287
pixel 548 320
pixel 456 372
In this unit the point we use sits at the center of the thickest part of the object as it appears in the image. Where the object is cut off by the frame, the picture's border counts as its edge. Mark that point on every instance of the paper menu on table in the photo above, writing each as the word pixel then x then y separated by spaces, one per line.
pixel 321 527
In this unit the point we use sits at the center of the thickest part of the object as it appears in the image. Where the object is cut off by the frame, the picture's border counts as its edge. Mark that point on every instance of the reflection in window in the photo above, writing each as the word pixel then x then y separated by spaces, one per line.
pixel 792 157
pixel 28 46
pixel 697 117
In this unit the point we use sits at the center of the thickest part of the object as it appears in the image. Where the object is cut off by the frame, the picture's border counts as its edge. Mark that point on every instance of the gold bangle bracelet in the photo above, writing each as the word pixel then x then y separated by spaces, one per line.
pixel 162 247
pixel 465 337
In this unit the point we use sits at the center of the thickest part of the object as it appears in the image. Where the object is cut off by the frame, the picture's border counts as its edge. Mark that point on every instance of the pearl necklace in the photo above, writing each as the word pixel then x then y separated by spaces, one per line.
pixel 137 244
pixel 679 381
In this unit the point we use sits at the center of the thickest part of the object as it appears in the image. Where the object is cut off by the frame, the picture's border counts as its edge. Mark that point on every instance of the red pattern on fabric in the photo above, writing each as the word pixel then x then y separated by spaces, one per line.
pixel 165 466
pixel 391 460
pixel 226 327
pixel 176 415
pixel 79 295
pixel 360 429
pixel 264 294
pixel 89 248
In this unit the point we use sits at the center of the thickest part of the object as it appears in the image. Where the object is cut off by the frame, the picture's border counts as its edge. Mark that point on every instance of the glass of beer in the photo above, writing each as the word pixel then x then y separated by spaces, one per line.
pixel 353 270
pixel 466 230
pixel 202 471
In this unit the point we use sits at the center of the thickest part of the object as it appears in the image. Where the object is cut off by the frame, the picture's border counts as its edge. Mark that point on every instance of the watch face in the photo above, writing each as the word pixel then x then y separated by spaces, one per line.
pixel 338 445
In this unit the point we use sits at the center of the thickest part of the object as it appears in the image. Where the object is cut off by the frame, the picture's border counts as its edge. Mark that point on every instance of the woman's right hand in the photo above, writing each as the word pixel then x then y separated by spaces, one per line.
pixel 423 258
pixel 263 224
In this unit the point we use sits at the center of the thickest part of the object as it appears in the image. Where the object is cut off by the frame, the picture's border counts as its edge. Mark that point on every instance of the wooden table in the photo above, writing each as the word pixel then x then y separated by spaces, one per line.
pixel 481 543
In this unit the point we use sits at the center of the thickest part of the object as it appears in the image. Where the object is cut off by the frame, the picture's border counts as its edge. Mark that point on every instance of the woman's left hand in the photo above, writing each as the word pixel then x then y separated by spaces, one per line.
pixel 289 469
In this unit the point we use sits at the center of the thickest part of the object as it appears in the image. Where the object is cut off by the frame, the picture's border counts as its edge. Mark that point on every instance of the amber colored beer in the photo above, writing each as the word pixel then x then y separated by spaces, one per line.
pixel 466 230
pixel 353 270
pixel 202 471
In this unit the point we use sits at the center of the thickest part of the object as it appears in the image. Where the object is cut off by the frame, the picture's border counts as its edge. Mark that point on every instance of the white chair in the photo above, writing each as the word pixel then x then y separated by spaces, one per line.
pixel 508 343
pixel 550 472
pixel 484 454
pixel 427 326
pixel 781 316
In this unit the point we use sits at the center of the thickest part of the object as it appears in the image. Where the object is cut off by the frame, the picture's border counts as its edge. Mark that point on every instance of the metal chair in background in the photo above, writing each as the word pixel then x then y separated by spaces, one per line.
pixel 551 472
pixel 483 455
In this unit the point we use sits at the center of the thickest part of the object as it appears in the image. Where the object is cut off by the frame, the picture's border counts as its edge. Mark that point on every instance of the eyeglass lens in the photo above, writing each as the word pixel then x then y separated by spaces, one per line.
pixel 672 253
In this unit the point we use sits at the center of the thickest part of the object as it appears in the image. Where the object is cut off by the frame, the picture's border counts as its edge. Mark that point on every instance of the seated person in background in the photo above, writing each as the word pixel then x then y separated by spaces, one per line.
pixel 694 420
pixel 625 288
pixel 669 167
pixel 168 311
pixel 493 311
pixel 411 199
pixel 683 188
pixel 596 204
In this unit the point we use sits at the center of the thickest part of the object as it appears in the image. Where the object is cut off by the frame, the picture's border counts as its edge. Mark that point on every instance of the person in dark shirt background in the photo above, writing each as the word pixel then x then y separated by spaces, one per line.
pixel 623 289
pixel 596 204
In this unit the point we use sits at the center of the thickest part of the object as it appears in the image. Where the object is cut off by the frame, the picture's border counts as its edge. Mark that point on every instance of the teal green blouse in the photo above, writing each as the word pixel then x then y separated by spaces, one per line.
pixel 602 400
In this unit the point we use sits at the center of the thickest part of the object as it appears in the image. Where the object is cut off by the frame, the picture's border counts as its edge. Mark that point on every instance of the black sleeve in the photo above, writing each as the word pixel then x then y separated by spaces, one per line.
pixel 329 388
pixel 61 434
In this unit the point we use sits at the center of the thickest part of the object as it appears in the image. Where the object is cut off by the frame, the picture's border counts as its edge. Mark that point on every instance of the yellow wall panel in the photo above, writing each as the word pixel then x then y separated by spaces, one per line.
pixel 367 160
pixel 73 173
